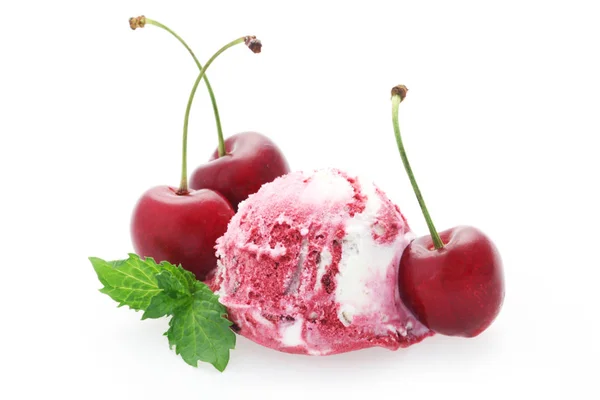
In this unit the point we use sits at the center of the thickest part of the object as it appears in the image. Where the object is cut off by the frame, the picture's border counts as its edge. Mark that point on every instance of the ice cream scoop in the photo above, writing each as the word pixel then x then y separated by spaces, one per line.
pixel 309 264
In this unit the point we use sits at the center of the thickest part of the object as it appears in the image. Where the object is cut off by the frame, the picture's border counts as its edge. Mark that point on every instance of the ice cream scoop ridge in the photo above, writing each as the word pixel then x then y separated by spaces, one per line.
pixel 309 265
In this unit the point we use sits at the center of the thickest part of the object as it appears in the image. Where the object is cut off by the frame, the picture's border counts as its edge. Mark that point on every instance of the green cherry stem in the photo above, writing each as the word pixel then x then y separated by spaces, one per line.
pixel 398 94
pixel 140 22
pixel 253 44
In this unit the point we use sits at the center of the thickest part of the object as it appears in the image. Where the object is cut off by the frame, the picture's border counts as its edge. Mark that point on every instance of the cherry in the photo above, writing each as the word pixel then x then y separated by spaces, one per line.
pixel 244 162
pixel 251 160
pixel 181 225
pixel 241 164
pixel 181 228
pixel 456 290
pixel 453 281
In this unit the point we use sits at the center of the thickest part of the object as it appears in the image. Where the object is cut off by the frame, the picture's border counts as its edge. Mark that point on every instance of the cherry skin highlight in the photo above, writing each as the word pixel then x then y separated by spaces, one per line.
pixel 180 228
pixel 251 160
pixel 457 290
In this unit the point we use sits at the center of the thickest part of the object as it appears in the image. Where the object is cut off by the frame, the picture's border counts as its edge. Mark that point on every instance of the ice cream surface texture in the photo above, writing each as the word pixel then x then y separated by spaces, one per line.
pixel 309 265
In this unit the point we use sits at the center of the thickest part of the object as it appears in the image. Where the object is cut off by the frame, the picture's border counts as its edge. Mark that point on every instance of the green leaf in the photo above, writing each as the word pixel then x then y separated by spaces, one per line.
pixel 173 286
pixel 131 282
pixel 175 293
pixel 184 276
pixel 198 328
pixel 200 332
pixel 162 305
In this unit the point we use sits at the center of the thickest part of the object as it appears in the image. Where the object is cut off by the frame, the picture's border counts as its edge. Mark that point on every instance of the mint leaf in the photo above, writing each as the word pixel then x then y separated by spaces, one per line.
pixel 175 293
pixel 162 305
pixel 172 284
pixel 198 328
pixel 182 275
pixel 130 282
pixel 200 332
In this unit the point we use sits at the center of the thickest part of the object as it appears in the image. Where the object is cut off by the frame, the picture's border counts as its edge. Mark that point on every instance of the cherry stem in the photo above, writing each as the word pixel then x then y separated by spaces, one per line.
pixel 398 94
pixel 139 22
pixel 254 45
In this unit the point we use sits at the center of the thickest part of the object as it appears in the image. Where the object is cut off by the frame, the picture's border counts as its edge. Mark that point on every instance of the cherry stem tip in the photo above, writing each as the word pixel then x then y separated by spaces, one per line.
pixel 137 22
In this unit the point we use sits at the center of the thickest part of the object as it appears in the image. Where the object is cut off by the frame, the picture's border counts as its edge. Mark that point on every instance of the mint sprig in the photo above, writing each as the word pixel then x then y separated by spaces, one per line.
pixel 198 332
pixel 172 296
pixel 130 282
pixel 198 329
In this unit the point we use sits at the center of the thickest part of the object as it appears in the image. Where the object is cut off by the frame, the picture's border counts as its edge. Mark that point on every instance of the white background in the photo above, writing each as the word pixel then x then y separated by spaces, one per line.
pixel 501 125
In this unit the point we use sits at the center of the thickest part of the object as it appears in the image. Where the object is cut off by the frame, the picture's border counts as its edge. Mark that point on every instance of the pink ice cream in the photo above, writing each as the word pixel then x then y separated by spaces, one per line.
pixel 309 265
